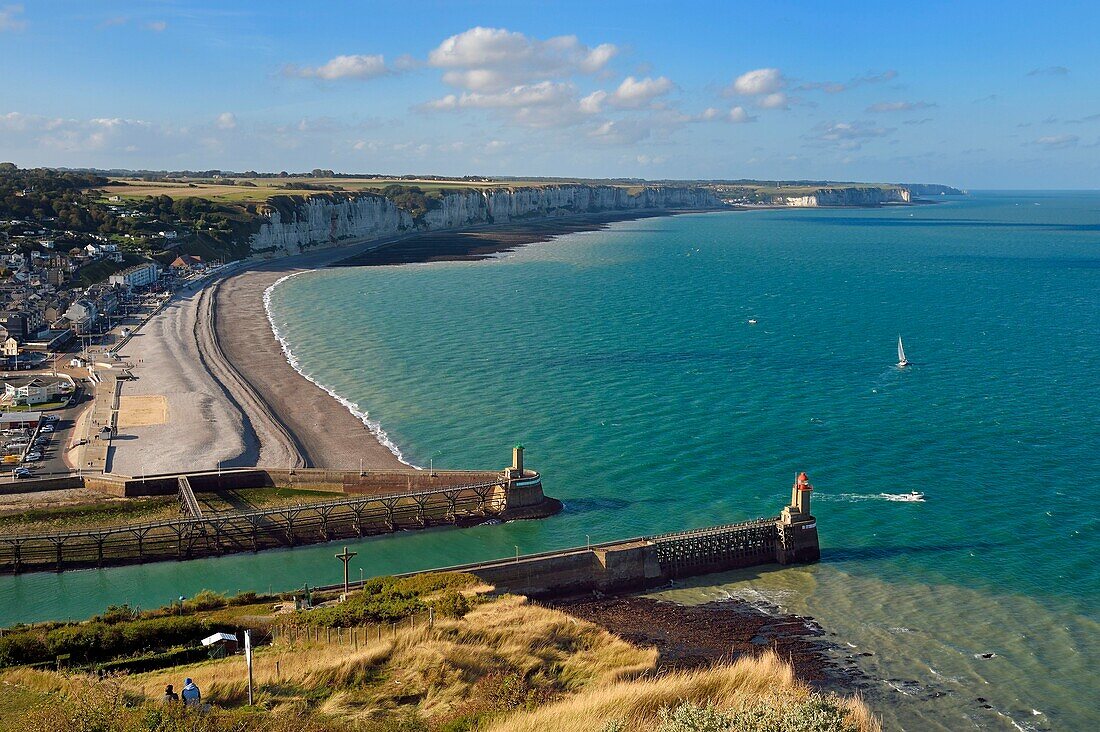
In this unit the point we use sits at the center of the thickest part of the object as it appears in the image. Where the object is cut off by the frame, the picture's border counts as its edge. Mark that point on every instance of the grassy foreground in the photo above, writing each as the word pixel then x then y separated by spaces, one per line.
pixel 505 664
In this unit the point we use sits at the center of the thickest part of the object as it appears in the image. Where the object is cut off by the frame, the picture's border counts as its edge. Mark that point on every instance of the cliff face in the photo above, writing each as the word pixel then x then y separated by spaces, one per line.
pixel 325 221
pixel 848 196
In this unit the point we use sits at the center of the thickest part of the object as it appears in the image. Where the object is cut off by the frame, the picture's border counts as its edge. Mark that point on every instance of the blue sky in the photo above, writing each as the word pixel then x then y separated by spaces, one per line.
pixel 974 94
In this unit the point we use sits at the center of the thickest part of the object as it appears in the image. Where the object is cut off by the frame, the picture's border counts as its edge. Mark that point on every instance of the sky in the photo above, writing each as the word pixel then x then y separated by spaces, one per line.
pixel 972 94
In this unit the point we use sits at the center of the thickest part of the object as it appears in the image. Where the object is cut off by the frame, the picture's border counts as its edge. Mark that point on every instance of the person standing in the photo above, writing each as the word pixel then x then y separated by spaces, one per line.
pixel 190 693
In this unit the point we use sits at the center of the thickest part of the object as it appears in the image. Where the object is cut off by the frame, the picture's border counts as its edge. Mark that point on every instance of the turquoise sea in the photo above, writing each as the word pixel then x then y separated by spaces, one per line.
pixel 626 363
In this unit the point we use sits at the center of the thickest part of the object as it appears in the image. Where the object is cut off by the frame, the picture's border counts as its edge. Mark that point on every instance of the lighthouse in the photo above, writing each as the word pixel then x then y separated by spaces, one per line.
pixel 800 494
pixel 797 526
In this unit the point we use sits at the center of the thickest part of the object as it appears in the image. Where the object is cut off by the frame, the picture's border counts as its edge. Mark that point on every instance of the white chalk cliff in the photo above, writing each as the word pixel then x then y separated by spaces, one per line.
pixel 847 196
pixel 330 220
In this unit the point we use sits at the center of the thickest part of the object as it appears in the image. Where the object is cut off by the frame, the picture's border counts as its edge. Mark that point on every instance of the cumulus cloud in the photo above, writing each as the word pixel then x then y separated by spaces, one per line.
pixel 523 95
pixel 1049 71
pixel 226 121
pixel 834 87
pixel 634 93
pixel 593 103
pixel 765 86
pixel 899 106
pixel 11 18
pixel 738 115
pixel 1057 142
pixel 620 132
pixel 490 59
pixel 778 100
pixel 848 135
pixel 73 135
pixel 354 66
pixel 758 82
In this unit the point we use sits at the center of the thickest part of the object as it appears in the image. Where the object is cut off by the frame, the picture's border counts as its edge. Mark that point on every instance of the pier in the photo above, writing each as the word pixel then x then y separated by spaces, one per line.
pixel 651 561
pixel 363 503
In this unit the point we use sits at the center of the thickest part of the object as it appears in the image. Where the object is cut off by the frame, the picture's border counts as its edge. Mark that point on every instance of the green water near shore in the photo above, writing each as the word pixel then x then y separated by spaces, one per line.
pixel 625 361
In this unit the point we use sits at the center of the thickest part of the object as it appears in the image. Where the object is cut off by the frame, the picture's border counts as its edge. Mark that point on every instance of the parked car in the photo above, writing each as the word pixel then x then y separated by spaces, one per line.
pixel 47 428
pixel 32 457
pixel 51 418
pixel 22 473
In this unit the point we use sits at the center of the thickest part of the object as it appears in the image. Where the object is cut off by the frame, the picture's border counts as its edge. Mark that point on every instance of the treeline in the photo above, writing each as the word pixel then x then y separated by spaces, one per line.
pixel 38 193
pixel 119 632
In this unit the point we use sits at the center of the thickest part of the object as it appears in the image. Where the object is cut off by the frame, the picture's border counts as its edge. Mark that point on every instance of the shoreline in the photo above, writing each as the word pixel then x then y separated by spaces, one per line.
pixel 332 431
pixel 696 636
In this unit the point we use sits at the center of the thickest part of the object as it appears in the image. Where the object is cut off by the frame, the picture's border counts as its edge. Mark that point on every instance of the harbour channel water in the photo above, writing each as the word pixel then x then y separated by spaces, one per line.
pixel 675 372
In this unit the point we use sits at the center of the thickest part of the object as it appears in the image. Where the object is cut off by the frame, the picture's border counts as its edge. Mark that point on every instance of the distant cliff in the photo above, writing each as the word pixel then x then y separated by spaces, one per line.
pixel 291 225
pixel 932 189
pixel 846 196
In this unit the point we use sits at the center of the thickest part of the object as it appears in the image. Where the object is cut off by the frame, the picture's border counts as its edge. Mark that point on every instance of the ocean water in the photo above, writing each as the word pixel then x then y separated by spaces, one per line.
pixel 625 362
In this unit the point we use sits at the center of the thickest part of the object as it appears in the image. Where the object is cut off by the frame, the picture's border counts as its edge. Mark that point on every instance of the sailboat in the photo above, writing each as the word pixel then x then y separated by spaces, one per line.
pixel 902 360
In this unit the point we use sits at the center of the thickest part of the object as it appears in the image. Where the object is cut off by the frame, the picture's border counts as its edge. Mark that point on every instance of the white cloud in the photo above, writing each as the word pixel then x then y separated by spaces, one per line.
pixel 226 121
pixel 778 100
pixel 1057 142
pixel 738 115
pixel 523 95
pixel 488 59
pixel 900 106
pixel 759 81
pixel 593 103
pixel 849 135
pixel 651 159
pixel 157 26
pixel 619 132
pixel 11 18
pixel 355 66
pixel 633 93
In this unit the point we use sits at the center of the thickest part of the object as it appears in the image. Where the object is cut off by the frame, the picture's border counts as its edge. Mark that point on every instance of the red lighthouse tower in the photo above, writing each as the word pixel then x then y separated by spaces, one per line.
pixel 797 525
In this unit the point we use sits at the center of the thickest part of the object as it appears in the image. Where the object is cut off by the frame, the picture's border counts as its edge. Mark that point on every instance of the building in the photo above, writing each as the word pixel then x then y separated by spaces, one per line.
pixel 22 323
pixel 140 275
pixel 9 348
pixel 34 389
pixel 83 316
pixel 185 263
pixel 19 420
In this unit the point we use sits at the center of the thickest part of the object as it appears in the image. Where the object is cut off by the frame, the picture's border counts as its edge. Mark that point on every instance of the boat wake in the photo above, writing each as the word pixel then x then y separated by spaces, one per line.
pixel 374 426
pixel 858 497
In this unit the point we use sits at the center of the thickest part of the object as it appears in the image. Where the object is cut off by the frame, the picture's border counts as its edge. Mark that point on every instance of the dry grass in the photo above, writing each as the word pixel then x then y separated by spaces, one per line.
pixel 635 705
pixel 439 669
pixel 507 665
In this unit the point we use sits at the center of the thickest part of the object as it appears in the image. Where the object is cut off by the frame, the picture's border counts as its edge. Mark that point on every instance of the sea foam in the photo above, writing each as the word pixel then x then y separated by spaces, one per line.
pixel 373 425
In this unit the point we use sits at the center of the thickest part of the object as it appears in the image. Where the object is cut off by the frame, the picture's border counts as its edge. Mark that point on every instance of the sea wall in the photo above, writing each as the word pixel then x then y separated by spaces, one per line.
pixel 327 221
pixel 846 196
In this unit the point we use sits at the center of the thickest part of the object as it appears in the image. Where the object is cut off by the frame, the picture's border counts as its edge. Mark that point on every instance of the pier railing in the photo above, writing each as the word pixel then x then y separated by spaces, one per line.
pixel 213 534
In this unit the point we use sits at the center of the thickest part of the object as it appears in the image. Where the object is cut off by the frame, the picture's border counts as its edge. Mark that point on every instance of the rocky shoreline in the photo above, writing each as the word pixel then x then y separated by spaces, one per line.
pixel 695 636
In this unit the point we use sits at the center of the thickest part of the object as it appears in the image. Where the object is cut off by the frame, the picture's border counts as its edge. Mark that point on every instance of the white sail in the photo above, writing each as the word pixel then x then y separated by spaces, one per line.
pixel 901 353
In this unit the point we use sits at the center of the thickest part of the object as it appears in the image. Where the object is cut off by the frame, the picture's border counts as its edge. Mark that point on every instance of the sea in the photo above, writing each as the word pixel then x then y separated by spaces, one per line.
pixel 676 372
